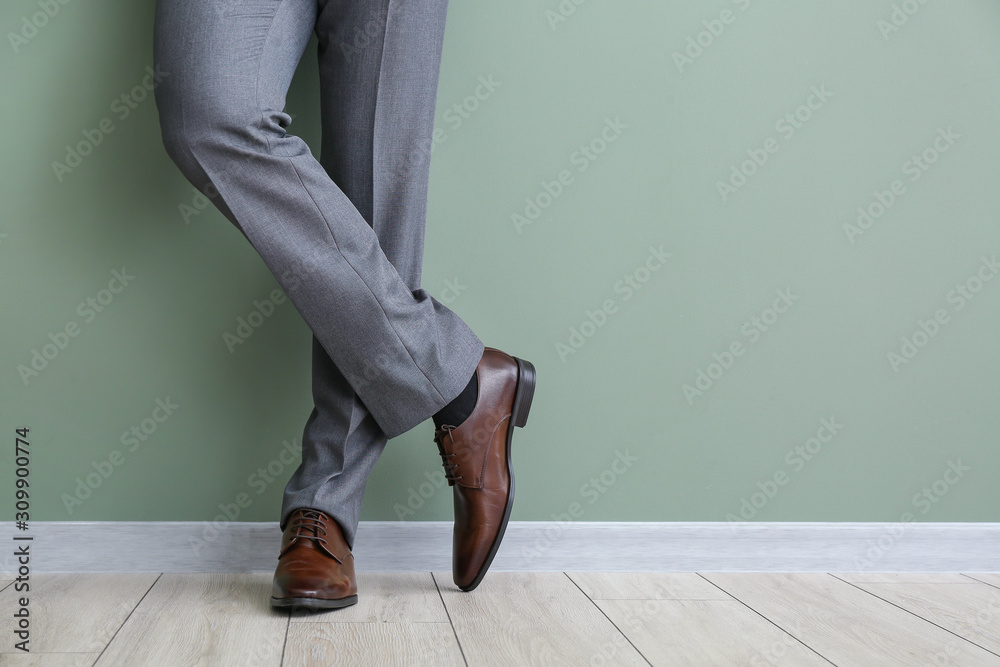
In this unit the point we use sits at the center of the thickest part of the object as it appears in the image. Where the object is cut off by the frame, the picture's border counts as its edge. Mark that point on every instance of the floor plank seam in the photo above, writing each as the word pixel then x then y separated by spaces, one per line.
pixel 103 650
pixel 980 581
pixel 913 613
pixel 672 616
pixel 452 624
pixel 787 632
pixel 284 644
pixel 593 602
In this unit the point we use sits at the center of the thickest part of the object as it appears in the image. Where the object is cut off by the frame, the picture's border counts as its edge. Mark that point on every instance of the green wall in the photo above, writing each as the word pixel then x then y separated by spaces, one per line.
pixel 793 309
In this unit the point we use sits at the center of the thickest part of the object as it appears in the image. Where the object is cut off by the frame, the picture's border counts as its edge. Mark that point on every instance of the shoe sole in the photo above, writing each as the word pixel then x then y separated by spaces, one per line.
pixel 313 603
pixel 518 417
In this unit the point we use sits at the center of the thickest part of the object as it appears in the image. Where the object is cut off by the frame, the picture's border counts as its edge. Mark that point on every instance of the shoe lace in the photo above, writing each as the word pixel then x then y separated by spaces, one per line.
pixel 309 520
pixel 449 465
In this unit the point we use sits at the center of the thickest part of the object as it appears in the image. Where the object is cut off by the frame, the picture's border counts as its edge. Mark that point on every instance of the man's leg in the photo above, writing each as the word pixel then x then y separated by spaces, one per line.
pixel 228 65
pixel 379 67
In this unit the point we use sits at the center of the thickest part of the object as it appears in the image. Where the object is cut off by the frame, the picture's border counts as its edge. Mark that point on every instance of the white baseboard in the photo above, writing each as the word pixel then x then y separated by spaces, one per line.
pixel 180 546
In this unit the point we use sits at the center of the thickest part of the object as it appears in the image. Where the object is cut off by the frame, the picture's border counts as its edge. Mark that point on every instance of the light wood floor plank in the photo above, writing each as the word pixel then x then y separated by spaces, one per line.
pixel 705 632
pixel 845 624
pixel 73 613
pixel 34 659
pixel 646 586
pixel 518 618
pixel 969 610
pixel 387 597
pixel 532 618
pixel 189 619
pixel 403 644
pixel 903 577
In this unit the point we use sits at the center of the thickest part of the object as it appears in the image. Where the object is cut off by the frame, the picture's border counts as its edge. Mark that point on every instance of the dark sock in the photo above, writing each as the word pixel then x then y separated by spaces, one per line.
pixel 459 409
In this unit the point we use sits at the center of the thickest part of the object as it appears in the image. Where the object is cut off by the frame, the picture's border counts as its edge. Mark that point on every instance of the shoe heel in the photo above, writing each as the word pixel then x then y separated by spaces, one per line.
pixel 524 393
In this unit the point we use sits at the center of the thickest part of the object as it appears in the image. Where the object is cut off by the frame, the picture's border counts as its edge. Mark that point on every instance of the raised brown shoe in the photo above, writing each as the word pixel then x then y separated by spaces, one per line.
pixel 315 566
pixel 476 456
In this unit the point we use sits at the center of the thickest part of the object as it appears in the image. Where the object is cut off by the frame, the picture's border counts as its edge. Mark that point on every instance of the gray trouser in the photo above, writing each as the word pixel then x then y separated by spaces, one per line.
pixel 344 235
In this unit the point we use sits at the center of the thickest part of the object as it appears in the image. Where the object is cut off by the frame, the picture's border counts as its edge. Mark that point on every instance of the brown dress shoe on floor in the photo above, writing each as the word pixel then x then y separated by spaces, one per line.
pixel 315 566
pixel 476 456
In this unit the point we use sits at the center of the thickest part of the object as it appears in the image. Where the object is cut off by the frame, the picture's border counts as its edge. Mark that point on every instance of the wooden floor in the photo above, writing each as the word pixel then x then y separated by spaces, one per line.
pixel 515 618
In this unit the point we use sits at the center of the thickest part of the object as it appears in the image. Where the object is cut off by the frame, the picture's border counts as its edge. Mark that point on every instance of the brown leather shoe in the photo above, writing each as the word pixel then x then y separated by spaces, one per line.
pixel 315 566
pixel 476 456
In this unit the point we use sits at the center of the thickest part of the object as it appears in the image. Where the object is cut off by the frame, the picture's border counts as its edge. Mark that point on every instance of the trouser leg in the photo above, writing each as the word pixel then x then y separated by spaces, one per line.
pixel 229 64
pixel 379 63
pixel 341 444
